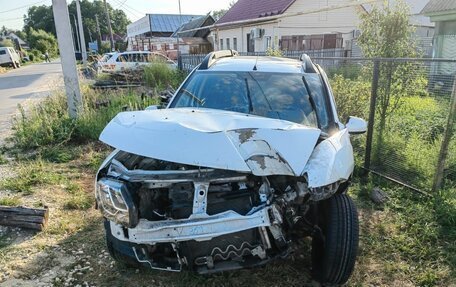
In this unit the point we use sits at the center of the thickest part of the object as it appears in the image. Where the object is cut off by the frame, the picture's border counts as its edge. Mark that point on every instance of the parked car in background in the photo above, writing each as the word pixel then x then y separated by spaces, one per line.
pixel 248 154
pixel 9 57
pixel 120 61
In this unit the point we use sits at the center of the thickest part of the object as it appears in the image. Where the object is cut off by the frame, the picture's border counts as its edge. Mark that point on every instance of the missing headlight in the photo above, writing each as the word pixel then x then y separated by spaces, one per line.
pixel 115 202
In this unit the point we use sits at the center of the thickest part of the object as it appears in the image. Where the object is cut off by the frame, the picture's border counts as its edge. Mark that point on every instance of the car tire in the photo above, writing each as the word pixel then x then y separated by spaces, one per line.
pixel 111 243
pixel 335 247
pixel 14 65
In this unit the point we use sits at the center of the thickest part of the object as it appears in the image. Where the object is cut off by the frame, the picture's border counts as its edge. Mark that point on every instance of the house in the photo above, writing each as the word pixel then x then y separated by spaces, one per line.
pixel 296 25
pixel 443 14
pixel 158 25
pixel 18 42
pixel 159 32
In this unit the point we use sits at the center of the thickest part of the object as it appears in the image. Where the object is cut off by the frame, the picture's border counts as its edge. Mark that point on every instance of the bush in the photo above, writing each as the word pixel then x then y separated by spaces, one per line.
pixel 48 123
pixel 42 41
pixel 6 43
pixel 160 75
pixel 352 97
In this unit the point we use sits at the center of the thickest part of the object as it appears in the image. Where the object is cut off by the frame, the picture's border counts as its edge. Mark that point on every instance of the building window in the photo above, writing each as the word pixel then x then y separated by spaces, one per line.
pixel 268 42
pixel 235 44
pixel 221 44
pixel 228 43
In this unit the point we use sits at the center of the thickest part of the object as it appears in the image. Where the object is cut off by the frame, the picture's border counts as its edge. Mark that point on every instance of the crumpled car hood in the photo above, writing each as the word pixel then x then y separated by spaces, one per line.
pixel 214 139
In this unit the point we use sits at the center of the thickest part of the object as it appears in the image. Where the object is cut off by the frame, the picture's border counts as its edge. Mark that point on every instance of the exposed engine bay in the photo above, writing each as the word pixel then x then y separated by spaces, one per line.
pixel 176 216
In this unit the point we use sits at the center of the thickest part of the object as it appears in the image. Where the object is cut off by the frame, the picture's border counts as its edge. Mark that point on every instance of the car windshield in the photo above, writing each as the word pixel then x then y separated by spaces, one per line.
pixel 273 95
pixel 105 57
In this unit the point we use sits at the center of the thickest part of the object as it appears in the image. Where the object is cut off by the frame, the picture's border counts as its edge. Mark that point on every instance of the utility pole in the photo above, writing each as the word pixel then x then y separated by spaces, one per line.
pixel 109 26
pixel 98 34
pixel 70 73
pixel 77 33
pixel 81 34
pixel 179 59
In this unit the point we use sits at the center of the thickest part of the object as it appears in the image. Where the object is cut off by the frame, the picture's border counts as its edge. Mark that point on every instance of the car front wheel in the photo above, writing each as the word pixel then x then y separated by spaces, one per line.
pixel 335 244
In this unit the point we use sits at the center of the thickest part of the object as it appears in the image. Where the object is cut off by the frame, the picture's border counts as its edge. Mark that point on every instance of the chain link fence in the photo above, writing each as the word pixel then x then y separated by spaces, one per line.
pixel 408 103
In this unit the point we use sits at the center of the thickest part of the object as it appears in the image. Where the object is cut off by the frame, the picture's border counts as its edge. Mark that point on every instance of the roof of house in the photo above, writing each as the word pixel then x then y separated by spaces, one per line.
pixel 199 22
pixel 439 6
pixel 169 23
pixel 253 9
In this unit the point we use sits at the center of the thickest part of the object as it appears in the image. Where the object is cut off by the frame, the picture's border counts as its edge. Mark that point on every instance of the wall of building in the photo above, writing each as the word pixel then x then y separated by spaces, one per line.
pixel 341 21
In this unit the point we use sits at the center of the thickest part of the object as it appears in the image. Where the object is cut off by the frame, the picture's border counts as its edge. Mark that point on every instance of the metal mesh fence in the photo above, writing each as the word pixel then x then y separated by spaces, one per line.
pixel 412 100
pixel 412 104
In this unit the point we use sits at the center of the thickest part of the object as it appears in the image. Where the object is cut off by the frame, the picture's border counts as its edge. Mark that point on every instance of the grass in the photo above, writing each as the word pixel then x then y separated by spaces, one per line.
pixel 10 201
pixel 31 174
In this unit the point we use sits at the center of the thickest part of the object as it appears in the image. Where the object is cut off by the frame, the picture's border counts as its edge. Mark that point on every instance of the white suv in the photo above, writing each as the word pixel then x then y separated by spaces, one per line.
pixel 249 151
pixel 9 56
pixel 117 62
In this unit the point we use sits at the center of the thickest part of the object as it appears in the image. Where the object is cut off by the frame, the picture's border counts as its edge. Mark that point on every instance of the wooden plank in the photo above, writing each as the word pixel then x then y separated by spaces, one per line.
pixel 25 218
pixel 24 210
pixel 15 223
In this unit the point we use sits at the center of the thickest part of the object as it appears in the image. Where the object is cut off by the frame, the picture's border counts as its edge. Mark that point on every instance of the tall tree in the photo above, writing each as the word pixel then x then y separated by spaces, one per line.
pixel 41 17
pixel 386 33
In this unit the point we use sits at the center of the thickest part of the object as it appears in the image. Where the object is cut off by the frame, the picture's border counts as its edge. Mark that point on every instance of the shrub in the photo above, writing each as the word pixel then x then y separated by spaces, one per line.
pixel 6 43
pixel 160 75
pixel 48 123
pixel 42 41
pixel 352 97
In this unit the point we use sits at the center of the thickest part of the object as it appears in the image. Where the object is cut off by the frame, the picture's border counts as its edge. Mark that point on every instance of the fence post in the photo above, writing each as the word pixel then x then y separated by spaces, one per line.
pixel 438 177
pixel 370 126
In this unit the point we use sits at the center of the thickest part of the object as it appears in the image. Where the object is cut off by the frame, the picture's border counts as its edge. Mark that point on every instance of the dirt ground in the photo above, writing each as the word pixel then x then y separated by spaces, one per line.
pixel 71 250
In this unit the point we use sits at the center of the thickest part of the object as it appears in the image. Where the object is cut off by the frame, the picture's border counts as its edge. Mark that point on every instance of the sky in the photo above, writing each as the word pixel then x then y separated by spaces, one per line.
pixel 11 12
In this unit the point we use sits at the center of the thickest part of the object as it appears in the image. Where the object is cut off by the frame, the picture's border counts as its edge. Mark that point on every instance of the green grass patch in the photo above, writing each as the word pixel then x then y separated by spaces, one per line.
pixel 29 175
pixel 10 201
pixel 3 160
pixel 79 200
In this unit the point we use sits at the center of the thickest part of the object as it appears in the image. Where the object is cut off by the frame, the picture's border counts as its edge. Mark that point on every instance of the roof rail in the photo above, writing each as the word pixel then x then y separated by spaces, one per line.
pixel 211 57
pixel 307 63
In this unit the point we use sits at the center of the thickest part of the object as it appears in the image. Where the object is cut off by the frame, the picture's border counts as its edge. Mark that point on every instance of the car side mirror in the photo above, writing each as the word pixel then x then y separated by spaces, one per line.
pixel 152 108
pixel 356 126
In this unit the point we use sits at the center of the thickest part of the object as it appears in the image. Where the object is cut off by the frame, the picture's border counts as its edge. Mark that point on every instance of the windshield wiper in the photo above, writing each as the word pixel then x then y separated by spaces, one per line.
pixel 200 101
pixel 248 95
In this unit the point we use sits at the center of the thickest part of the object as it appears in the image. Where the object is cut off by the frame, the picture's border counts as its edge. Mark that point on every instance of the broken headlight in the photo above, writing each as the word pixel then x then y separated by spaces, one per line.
pixel 324 192
pixel 115 202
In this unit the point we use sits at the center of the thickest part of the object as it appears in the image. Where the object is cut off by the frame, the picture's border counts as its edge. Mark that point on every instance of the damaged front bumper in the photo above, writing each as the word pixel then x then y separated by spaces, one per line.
pixel 199 229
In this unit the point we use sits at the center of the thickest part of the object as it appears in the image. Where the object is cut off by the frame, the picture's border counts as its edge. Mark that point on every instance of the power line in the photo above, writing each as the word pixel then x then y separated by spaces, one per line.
pixel 25 6
pixel 129 9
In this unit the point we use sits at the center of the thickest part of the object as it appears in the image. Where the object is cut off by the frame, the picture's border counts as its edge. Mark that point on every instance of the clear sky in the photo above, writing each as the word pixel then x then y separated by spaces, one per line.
pixel 11 12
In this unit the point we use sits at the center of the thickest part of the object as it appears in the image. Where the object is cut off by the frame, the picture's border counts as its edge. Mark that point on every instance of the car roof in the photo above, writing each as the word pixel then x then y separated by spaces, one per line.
pixel 260 64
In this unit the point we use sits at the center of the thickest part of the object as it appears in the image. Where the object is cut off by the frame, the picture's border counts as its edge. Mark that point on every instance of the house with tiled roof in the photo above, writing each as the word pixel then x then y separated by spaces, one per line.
pixel 298 25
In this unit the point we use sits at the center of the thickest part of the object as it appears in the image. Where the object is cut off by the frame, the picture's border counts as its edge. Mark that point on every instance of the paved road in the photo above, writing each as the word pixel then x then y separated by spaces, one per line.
pixel 23 85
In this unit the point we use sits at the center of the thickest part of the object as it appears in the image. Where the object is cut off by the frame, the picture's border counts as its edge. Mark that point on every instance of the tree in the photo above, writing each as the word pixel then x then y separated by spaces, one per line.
pixel 42 41
pixel 386 33
pixel 219 13
pixel 42 18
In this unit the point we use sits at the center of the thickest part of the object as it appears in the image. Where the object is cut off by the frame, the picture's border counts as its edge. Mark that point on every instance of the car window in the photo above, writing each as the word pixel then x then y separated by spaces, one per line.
pixel 2 52
pixel 274 95
pixel 122 58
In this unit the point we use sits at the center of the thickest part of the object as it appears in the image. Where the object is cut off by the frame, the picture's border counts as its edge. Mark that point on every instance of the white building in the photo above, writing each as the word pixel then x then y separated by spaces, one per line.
pixel 294 25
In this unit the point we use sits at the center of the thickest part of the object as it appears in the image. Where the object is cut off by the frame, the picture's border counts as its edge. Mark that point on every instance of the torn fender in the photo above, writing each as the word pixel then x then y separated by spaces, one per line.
pixel 331 161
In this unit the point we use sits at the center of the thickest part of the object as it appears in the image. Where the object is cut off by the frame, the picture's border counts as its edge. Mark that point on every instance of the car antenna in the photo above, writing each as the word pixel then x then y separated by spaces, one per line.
pixel 256 61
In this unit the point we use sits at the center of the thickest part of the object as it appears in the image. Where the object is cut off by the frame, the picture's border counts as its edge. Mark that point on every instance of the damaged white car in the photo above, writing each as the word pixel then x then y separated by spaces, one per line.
pixel 248 150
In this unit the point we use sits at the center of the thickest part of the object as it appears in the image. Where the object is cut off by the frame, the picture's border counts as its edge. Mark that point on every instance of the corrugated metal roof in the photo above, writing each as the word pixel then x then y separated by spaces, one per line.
pixel 169 23
pixel 253 9
pixel 439 6
pixel 196 23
